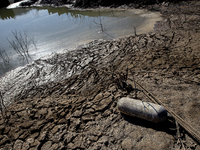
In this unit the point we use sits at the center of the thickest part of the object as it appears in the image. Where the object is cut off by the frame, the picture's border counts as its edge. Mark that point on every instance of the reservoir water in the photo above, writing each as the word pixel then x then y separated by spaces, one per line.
pixel 59 29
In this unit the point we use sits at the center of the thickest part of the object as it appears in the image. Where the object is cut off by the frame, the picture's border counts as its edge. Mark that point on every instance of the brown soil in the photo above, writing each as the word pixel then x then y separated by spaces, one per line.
pixel 81 111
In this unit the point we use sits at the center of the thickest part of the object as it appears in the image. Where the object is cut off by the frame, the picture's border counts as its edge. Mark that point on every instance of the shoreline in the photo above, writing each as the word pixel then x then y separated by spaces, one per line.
pixel 84 106
pixel 76 38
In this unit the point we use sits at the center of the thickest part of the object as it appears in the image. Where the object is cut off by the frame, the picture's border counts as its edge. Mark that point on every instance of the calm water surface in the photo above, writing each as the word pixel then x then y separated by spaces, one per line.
pixel 56 29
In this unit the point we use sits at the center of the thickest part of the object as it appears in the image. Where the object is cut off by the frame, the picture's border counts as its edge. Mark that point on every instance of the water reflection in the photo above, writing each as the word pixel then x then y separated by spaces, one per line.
pixel 13 13
pixel 8 14
pixel 56 29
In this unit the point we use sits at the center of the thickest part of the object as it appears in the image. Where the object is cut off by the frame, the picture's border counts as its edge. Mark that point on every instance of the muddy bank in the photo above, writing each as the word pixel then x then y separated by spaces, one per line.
pixel 78 109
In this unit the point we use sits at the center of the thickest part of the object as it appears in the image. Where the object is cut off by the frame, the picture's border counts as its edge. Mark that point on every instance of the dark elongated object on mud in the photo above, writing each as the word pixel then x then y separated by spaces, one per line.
pixel 145 110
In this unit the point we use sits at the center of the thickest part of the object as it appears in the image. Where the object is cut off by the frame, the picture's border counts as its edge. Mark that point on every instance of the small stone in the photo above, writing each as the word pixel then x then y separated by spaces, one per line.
pixel 69 136
pixel 1 137
pixel 34 135
pixel 30 140
pixel 103 139
pixel 56 138
pixel 37 126
pixel 88 111
pixel 98 97
pixel 78 142
pixel 77 113
pixel 42 111
pixel 75 122
pixel 112 89
pixel 36 143
pixel 62 114
pixel 33 148
pixel 2 121
pixel 24 135
pixel 62 121
pixel 26 125
pixel 15 136
pixel 93 138
pixel 106 113
pixel 25 146
pixel 4 140
pixel 128 143
pixel 18 145
pixel 7 147
pixel 58 128
pixel 57 146
pixel 6 130
pixel 87 118
pixel 42 136
pixel 2 129
pixel 70 146
pixel 55 129
pixel 46 145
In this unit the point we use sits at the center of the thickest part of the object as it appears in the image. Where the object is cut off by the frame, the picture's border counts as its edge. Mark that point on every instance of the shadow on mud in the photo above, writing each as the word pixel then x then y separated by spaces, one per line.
pixel 167 126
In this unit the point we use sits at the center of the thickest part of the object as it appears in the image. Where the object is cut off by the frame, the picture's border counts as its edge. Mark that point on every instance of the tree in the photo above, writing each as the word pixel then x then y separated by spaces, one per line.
pixel 5 64
pixel 21 43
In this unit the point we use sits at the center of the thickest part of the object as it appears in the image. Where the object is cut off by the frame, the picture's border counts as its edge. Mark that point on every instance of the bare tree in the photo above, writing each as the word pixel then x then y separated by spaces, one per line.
pixel 137 24
pixel 5 65
pixel 21 43
pixel 100 23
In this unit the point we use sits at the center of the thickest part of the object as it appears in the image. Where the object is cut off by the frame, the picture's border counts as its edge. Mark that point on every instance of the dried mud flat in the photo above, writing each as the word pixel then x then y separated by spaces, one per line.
pixel 79 110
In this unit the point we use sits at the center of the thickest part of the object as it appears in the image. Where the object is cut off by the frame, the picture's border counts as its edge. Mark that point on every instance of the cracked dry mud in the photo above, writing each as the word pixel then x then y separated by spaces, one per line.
pixel 79 110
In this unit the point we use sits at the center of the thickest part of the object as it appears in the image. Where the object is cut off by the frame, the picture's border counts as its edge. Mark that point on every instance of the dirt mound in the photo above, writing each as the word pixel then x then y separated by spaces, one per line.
pixel 80 112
